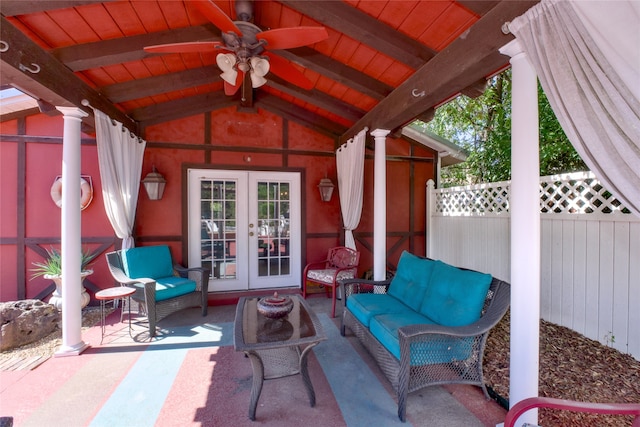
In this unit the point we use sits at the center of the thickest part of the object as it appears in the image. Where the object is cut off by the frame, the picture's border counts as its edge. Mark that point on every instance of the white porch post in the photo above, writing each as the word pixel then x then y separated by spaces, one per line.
pixel 380 205
pixel 525 231
pixel 72 344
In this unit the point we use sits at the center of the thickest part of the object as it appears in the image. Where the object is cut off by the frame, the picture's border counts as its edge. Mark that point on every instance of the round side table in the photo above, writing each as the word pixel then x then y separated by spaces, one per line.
pixel 112 294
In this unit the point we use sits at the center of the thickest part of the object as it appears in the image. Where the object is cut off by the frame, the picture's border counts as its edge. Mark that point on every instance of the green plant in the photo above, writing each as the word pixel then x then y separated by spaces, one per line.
pixel 610 339
pixel 52 266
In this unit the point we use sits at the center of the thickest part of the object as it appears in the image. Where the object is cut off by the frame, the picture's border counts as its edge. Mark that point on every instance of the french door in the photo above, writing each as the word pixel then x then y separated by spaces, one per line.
pixel 245 227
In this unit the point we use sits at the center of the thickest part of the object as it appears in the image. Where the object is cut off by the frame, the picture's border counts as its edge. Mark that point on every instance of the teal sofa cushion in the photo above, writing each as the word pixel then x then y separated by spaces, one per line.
pixel 455 297
pixel 365 306
pixel 411 279
pixel 439 349
pixel 151 262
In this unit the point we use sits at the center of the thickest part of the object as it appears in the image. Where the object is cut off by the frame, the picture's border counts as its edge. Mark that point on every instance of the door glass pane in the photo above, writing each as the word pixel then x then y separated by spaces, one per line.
pixel 218 227
pixel 273 228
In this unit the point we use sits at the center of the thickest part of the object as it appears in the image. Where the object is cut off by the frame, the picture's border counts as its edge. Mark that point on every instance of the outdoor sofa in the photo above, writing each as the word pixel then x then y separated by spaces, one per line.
pixel 427 325
pixel 161 286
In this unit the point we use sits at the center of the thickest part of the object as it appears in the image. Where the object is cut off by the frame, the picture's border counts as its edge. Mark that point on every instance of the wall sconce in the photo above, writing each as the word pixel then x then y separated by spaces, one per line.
pixel 154 184
pixel 326 189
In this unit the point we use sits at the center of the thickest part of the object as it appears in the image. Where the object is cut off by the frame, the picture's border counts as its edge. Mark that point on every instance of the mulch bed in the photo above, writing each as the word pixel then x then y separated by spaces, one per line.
pixel 571 367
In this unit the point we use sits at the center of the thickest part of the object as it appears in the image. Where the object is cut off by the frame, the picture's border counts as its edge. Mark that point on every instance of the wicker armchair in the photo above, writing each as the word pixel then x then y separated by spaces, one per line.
pixel 421 362
pixel 341 263
pixel 148 289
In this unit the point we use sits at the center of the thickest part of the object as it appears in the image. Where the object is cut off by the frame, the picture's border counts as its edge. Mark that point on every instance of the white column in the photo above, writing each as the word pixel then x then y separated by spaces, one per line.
pixel 71 250
pixel 380 205
pixel 524 204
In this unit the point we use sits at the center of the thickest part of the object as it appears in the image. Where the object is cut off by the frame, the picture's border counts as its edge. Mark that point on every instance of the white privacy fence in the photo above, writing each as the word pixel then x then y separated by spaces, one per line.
pixel 590 250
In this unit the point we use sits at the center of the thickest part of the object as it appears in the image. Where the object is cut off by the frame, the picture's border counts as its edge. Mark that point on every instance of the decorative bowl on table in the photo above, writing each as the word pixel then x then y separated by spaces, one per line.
pixel 275 306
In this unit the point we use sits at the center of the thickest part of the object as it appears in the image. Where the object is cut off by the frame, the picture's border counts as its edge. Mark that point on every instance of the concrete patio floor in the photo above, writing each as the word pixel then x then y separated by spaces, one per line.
pixel 190 375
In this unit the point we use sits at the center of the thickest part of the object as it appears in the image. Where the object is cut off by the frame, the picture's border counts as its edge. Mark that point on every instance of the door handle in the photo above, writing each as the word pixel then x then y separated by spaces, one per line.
pixel 251 233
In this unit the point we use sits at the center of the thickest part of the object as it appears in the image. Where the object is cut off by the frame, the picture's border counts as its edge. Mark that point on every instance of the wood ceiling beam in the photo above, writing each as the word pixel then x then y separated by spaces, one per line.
pixel 305 118
pixel 117 51
pixel 341 73
pixel 54 83
pixel 156 85
pixel 365 29
pixel 453 69
pixel 22 7
pixel 317 98
pixel 476 89
pixel 180 108
pixel 479 7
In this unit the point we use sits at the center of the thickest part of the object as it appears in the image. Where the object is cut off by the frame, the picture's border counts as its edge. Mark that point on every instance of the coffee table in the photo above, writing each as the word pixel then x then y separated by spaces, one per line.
pixel 276 348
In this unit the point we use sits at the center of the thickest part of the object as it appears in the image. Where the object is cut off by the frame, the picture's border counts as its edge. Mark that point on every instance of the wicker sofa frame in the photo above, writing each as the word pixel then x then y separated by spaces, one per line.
pixel 406 377
pixel 146 296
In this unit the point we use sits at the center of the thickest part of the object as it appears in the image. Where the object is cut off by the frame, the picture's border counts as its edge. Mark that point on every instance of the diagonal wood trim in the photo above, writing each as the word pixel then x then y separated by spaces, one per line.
pixel 116 51
pixel 366 29
pixel 453 69
pixel 479 7
pixel 337 71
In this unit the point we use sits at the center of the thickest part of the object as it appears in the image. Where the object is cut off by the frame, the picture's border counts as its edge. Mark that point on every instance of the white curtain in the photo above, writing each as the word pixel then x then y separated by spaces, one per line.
pixel 350 165
pixel 120 159
pixel 587 57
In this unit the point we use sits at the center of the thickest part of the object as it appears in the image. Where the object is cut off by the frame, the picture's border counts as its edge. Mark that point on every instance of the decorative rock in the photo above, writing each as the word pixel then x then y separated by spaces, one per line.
pixel 26 321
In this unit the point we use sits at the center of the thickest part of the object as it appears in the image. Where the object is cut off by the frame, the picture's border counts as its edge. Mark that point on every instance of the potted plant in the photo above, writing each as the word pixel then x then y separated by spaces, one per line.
pixel 51 269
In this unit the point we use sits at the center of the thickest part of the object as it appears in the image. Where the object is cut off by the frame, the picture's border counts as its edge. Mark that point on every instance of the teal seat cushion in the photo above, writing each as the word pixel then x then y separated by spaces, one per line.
pixel 365 306
pixel 438 349
pixel 455 297
pixel 411 279
pixel 150 262
pixel 171 287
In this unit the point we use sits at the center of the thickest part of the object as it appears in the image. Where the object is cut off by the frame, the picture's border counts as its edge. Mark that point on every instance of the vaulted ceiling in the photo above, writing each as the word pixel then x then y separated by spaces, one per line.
pixel 384 64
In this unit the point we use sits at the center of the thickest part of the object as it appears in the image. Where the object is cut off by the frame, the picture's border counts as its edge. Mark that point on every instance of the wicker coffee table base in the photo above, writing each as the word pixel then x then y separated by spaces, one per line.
pixel 278 363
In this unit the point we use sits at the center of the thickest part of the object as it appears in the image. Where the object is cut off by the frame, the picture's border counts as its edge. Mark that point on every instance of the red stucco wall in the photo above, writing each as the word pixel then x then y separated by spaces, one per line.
pixel 240 140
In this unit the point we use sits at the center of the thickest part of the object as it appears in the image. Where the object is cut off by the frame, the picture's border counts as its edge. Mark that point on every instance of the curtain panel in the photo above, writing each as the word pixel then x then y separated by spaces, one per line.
pixel 120 160
pixel 350 165
pixel 587 57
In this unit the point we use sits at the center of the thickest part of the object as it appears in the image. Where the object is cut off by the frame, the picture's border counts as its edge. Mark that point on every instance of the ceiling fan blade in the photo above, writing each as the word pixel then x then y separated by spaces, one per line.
pixel 287 38
pixel 217 17
pixel 187 47
pixel 284 69
pixel 230 89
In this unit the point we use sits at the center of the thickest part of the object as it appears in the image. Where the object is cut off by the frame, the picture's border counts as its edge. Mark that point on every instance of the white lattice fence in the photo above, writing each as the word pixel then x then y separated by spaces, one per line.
pixel 576 193
pixel 590 250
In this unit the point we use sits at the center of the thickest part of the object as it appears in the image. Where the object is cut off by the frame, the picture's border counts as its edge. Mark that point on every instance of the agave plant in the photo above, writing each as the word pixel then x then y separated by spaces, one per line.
pixel 52 266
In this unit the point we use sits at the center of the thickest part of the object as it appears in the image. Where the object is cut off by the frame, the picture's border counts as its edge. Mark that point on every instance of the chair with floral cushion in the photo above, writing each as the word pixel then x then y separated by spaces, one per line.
pixel 341 263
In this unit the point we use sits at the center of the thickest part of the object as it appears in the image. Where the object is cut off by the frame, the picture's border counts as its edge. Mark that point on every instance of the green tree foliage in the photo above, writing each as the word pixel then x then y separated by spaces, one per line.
pixel 482 126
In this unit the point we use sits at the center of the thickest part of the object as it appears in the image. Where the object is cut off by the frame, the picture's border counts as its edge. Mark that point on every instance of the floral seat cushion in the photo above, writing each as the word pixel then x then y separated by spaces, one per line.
pixel 327 275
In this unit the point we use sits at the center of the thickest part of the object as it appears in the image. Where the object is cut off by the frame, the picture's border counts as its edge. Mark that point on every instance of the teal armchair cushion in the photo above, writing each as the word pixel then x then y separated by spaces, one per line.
pixel 151 262
pixel 455 297
pixel 411 279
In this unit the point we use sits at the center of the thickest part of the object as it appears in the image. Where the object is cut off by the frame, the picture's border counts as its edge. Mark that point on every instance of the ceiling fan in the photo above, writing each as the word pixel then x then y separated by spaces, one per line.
pixel 244 51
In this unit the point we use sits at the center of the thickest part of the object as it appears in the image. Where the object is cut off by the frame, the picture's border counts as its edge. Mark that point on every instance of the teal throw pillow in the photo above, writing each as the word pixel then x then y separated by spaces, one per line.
pixel 411 279
pixel 455 297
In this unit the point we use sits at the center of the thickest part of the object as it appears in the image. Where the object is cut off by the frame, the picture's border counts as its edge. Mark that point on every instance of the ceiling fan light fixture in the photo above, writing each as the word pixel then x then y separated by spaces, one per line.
pixel 260 66
pixel 257 80
pixel 226 61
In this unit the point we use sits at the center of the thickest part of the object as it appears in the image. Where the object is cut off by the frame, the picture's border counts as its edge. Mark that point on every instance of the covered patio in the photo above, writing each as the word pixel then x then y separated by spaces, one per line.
pixel 190 375
pixel 475 41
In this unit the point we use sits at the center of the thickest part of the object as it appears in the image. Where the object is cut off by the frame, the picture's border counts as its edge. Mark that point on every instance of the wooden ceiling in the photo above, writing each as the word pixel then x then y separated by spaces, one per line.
pixel 384 64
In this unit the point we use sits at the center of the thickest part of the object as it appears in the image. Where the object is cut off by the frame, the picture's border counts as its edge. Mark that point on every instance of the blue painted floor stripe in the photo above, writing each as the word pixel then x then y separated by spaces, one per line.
pixel 138 399
pixel 346 372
